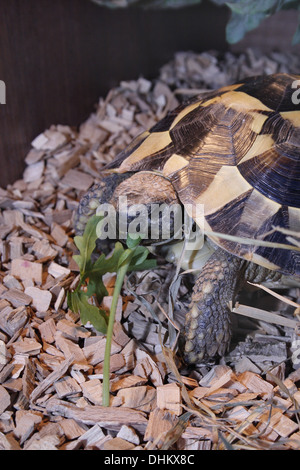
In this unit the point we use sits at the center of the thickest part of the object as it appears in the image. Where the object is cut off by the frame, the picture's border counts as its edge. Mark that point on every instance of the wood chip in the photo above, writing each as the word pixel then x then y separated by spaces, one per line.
pixel 28 378
pixel 283 425
pixel 129 381
pixel 66 387
pixel 128 434
pixel 118 443
pixel 48 330
pixel 111 418
pixel 45 443
pixel 8 442
pixel 53 377
pixel 17 298
pixel 34 172
pixel 59 235
pixel 70 349
pixel 24 269
pixel 93 438
pixel 26 422
pixel 160 422
pixel 27 346
pixel 71 330
pixel 72 429
pixel 58 271
pixel 142 398
pixel 95 349
pixel 256 384
pixel 169 398
pixel 4 399
pixel 41 299
pixel 13 319
pixel 77 179
pixel 92 390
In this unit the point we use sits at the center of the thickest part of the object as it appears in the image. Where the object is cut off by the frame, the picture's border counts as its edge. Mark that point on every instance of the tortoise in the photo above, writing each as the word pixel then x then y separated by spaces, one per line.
pixel 236 151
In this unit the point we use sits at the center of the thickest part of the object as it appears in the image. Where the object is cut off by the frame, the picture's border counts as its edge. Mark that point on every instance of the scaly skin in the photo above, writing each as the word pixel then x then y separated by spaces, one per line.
pixel 207 323
pixel 99 194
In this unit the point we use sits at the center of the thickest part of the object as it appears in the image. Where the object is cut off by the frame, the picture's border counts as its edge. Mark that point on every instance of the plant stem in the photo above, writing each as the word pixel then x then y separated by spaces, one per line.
pixel 106 366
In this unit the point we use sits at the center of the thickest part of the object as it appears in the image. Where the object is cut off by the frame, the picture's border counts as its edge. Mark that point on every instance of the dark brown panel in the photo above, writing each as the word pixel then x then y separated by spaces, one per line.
pixel 59 56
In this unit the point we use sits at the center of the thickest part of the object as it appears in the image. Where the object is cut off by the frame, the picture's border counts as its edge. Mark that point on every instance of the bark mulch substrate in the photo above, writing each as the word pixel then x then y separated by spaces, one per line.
pixel 51 365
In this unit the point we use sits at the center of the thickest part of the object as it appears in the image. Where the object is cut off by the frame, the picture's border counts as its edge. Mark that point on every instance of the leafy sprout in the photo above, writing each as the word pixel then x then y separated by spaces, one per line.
pixel 91 286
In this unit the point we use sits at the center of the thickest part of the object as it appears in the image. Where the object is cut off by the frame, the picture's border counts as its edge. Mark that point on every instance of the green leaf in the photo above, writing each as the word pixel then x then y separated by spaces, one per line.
pixel 296 36
pixel 73 301
pixel 78 302
pixel 236 28
pixel 132 242
pixel 125 257
pixel 147 264
pixel 247 15
pixel 109 265
pixel 121 260
pixel 139 255
pixel 94 315
pixel 96 287
pixel 87 242
pixel 250 7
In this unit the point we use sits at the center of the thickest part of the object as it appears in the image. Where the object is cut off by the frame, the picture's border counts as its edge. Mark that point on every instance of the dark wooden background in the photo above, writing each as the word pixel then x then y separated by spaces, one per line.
pixel 57 57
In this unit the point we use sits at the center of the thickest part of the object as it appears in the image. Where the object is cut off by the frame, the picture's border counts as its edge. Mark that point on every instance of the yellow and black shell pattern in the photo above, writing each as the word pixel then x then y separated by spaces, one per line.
pixel 235 150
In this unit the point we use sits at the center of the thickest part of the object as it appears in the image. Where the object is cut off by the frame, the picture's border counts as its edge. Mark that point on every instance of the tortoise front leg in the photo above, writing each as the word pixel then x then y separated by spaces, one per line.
pixel 207 325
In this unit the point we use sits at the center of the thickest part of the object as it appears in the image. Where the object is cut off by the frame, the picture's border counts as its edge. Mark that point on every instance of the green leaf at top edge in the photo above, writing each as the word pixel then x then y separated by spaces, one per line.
pixel 296 36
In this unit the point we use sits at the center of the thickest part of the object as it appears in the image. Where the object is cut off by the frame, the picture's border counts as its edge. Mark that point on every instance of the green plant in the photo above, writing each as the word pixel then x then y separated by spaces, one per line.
pixel 246 15
pixel 91 286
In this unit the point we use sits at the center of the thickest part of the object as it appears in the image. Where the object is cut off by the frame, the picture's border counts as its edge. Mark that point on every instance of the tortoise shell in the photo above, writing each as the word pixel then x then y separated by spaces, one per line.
pixel 235 150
